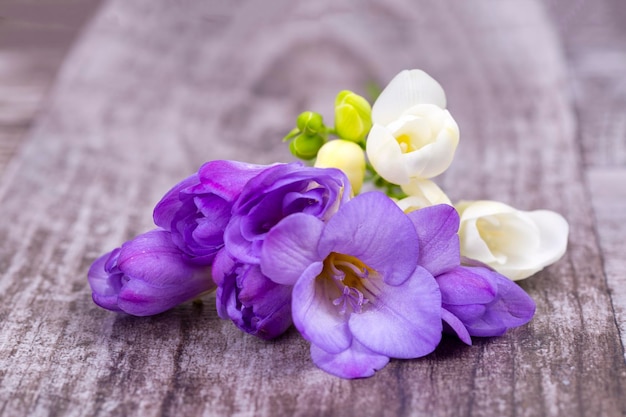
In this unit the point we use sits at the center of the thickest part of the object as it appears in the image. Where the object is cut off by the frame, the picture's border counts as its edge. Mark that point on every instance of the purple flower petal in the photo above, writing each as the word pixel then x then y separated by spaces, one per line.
pixel 437 228
pixel 141 298
pixel 355 362
pixel 198 227
pixel 227 178
pixel 154 256
pixel 402 321
pixel 237 245
pixel 485 302
pixel 225 295
pixel 461 286
pixel 309 202
pixel 222 265
pixel 255 304
pixel 267 305
pixel 290 247
pixel 286 175
pixel 487 327
pixel 392 250
pixel 316 316
pixel 513 307
pixel 105 285
pixel 456 326
pixel 468 313
pixel 167 209
pixel 276 193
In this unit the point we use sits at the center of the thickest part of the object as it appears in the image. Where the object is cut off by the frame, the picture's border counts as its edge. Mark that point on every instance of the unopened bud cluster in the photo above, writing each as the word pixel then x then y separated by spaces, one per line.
pixel 353 120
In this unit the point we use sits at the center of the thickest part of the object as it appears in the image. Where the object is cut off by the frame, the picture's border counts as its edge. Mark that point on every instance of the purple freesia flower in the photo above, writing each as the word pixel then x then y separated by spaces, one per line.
pixel 147 276
pixel 276 193
pixel 360 296
pixel 478 301
pixel 253 302
pixel 197 210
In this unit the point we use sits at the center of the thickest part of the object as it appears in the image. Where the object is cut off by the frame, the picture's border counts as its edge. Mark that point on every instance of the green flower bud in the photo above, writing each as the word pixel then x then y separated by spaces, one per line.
pixel 353 116
pixel 306 146
pixel 310 123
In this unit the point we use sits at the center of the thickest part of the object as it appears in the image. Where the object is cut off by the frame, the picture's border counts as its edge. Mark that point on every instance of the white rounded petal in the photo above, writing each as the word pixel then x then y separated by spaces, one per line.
pixel 437 116
pixel 385 155
pixel 554 231
pixel 472 244
pixel 434 158
pixel 471 210
pixel 417 130
pixel 515 243
pixel 422 193
pixel 408 88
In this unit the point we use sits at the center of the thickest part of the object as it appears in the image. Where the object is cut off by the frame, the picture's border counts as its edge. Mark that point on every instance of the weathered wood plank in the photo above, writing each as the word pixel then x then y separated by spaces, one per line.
pixel 25 78
pixel 609 203
pixel 34 38
pixel 594 44
pixel 172 85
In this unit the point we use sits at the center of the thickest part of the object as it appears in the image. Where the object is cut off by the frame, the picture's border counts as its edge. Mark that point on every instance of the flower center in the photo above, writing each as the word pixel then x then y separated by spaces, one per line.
pixel 405 143
pixel 347 277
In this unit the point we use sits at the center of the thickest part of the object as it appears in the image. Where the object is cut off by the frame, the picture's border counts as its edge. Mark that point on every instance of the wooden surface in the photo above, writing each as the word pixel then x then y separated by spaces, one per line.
pixel 34 39
pixel 154 88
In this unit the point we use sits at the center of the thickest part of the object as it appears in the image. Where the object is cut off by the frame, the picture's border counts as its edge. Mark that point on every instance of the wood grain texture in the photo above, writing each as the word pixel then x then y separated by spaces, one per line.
pixel 155 88
pixel 25 78
pixel 594 44
pixel 609 202
pixel 34 38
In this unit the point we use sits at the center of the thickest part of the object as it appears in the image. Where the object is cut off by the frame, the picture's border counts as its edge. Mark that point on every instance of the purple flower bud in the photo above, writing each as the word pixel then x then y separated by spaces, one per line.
pixel 276 193
pixel 253 302
pixel 147 276
pixel 478 301
pixel 197 210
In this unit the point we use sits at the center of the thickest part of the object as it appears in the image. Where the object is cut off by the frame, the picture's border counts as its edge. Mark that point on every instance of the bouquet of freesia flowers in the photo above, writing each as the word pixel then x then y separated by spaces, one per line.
pixel 363 276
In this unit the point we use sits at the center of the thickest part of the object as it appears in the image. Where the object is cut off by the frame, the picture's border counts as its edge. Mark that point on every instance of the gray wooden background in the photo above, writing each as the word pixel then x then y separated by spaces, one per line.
pixel 152 88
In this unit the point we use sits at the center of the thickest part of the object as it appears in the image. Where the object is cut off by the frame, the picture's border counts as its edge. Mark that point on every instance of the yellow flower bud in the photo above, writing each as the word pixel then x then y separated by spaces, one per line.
pixel 346 156
pixel 353 116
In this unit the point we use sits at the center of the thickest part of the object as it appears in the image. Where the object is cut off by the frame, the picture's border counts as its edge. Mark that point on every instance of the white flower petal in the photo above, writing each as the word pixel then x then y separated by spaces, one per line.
pixel 432 159
pixel 472 210
pixel 385 155
pixel 422 193
pixel 509 233
pixel 472 244
pixel 408 88
pixel 553 234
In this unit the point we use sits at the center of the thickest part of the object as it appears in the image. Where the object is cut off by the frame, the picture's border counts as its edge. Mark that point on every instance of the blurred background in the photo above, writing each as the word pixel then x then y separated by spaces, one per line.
pixel 35 37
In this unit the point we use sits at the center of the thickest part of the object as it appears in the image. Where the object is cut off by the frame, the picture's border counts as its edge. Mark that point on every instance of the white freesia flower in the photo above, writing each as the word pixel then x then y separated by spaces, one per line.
pixel 413 135
pixel 420 194
pixel 346 156
pixel 515 243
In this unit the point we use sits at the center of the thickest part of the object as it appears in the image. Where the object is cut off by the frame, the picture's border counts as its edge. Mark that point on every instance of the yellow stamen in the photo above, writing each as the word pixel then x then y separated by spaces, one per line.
pixel 405 143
